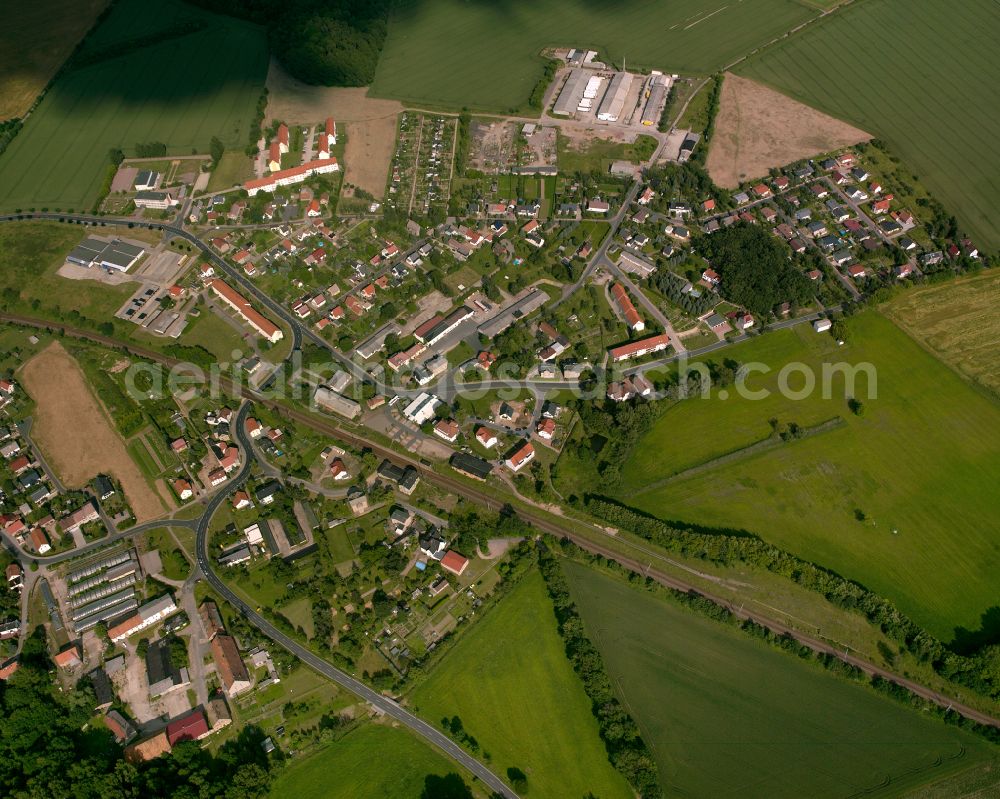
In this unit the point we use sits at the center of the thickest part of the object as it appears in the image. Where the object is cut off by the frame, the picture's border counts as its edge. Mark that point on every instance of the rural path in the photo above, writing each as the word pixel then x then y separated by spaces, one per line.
pixel 25 429
pixel 588 535
pixel 416 166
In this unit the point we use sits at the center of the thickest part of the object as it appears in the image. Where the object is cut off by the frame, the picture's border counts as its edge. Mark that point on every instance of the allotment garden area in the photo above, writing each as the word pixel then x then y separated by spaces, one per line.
pixel 153 73
pixel 931 111
pixel 895 491
pixel 487 57
pixel 705 693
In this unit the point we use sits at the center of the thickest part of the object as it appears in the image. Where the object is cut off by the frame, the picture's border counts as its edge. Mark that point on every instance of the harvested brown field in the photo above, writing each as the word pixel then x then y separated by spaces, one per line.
pixel 758 128
pixel 370 123
pixel 34 41
pixel 76 435
pixel 958 322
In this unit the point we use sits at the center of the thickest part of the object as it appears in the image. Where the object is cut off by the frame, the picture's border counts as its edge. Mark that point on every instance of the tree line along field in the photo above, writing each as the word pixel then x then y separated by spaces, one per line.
pixel 872 64
pixel 509 682
pixel 706 694
pixel 902 498
pixel 486 56
pixel 171 84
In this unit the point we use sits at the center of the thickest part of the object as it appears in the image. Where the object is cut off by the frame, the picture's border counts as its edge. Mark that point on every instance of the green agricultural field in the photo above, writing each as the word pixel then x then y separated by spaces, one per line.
pixel 347 768
pixel 866 64
pixel 958 322
pixel 510 683
pixel 901 498
pixel 488 57
pixel 180 87
pixel 705 694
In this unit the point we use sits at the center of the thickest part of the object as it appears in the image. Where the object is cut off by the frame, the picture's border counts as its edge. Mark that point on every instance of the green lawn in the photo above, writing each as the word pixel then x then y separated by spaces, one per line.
pixel 338 542
pixel 921 464
pixel 931 114
pixel 487 57
pixel 599 155
pixel 696 114
pixel 299 613
pixel 175 565
pixel 371 761
pixel 510 683
pixel 180 89
pixel 137 450
pixel 727 715
pixel 234 168
pixel 215 334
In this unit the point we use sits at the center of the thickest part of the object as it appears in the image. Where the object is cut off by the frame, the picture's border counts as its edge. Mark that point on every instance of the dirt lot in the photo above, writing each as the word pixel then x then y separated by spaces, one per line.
pixel 371 124
pixel 74 432
pixel 757 128
pixel 34 42
pixel 492 145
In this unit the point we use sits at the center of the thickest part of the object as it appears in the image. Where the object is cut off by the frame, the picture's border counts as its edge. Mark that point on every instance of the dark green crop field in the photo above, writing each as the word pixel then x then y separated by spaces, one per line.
pixel 487 55
pixel 160 71
pixel 728 715
pixel 920 74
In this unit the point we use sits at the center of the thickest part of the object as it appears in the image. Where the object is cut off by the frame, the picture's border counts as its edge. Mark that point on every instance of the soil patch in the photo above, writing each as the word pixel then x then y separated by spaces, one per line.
pixel 758 128
pixel 74 432
pixel 370 124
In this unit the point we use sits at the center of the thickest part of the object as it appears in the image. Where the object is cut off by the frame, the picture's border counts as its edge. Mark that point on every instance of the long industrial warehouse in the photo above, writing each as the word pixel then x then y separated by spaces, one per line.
pixel 572 92
pixel 614 101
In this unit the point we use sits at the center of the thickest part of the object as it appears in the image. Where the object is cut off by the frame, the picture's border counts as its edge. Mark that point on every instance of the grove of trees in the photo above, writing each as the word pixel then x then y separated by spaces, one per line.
pixel 329 42
pixel 755 268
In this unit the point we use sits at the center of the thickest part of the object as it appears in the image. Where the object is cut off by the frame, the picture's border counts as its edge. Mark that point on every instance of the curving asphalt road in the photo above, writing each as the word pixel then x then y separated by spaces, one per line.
pixel 542 522
pixel 382 703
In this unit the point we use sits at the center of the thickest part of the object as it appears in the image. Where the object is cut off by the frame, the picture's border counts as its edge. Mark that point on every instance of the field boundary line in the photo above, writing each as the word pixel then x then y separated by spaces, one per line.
pixel 774 441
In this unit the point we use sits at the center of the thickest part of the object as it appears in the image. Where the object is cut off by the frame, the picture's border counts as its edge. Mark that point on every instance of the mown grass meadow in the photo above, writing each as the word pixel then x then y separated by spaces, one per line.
pixel 901 498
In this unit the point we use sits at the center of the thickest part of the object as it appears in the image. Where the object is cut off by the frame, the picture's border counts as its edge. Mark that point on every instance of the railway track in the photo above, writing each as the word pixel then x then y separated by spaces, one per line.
pixel 561 529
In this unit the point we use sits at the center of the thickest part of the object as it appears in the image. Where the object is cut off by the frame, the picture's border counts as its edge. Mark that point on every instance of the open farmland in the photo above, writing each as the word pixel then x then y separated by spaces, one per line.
pixel 868 64
pixel 758 128
pixel 509 681
pixel 33 45
pixel 487 56
pixel 958 321
pixel 705 694
pixel 901 498
pixel 347 769
pixel 155 72
pixel 75 434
